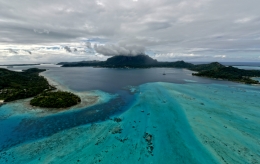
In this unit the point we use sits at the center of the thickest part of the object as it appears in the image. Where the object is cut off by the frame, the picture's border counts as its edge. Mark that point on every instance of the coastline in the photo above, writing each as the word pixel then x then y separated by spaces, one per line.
pixel 87 98
pixel 2 102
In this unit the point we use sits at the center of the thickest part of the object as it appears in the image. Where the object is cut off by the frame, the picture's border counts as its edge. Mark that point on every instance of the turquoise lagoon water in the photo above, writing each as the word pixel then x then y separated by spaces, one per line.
pixel 182 119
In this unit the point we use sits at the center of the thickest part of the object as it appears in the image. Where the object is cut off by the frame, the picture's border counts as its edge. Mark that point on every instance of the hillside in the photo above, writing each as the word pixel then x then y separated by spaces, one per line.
pixel 216 70
pixel 131 60
pixel 210 66
pixel 177 64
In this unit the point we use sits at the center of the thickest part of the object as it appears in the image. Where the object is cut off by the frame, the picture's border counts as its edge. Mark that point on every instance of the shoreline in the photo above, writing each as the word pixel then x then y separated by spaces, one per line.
pixel 87 98
pixel 2 102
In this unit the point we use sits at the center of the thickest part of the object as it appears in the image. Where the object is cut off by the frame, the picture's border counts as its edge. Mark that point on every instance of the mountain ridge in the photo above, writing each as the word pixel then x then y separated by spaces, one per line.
pixel 121 61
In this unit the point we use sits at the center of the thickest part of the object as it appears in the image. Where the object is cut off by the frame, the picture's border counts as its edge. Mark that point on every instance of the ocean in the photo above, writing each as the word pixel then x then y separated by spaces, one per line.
pixel 142 116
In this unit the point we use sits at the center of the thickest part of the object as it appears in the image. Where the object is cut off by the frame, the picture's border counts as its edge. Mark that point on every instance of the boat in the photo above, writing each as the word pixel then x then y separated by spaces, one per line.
pixel 164 73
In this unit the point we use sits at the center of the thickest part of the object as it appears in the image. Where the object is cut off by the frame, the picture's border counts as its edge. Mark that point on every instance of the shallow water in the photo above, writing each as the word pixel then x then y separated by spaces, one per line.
pixel 176 118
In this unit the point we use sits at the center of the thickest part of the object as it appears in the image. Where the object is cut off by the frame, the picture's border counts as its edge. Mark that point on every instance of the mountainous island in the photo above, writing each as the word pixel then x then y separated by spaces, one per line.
pixel 26 84
pixel 120 61
pixel 212 70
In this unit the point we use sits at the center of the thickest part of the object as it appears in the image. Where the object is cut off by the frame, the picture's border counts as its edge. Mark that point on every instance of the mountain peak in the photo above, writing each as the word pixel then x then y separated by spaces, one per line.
pixel 131 60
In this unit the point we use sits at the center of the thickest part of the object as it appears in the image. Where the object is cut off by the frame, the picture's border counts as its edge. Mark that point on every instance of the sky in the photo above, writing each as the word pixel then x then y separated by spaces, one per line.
pixel 38 31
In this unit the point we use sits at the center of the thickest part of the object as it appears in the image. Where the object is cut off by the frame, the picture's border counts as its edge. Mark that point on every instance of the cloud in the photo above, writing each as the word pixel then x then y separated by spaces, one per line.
pixel 165 26
pixel 13 51
pixel 177 56
pixel 67 49
pixel 113 50
pixel 88 45
pixel 244 20
pixel 44 31
pixel 52 54
pixel 220 56
pixel 29 52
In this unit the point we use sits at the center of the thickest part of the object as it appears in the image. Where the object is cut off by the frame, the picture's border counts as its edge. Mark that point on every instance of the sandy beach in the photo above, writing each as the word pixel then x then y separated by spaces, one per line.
pixel 87 98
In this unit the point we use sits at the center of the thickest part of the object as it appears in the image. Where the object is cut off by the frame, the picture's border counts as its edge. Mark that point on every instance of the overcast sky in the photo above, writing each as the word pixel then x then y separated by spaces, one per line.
pixel 191 30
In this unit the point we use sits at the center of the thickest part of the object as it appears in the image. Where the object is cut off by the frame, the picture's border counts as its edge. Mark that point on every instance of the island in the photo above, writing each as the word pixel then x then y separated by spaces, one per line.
pixel 218 71
pixel 27 84
pixel 121 61
pixel 212 70
pixel 59 99
pixel 21 85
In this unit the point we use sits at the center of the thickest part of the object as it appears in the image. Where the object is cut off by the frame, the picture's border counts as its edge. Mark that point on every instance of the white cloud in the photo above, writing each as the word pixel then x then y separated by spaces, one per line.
pixel 187 19
pixel 219 56
pixel 100 3
pixel 176 56
pixel 244 20
pixel 184 4
pixel 41 31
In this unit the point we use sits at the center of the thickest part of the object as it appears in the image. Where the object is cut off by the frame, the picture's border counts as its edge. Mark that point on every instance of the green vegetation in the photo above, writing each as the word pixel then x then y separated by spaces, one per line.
pixel 134 61
pixel 20 85
pixel 206 67
pixel 230 73
pixel 57 99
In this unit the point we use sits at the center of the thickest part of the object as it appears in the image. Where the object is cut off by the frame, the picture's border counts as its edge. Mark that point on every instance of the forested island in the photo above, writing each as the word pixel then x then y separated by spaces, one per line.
pixel 219 71
pixel 20 85
pixel 138 61
pixel 26 84
pixel 57 99
pixel 212 70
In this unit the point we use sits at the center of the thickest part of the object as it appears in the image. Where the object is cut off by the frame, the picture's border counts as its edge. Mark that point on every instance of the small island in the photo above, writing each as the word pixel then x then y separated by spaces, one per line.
pixel 59 99
pixel 27 84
